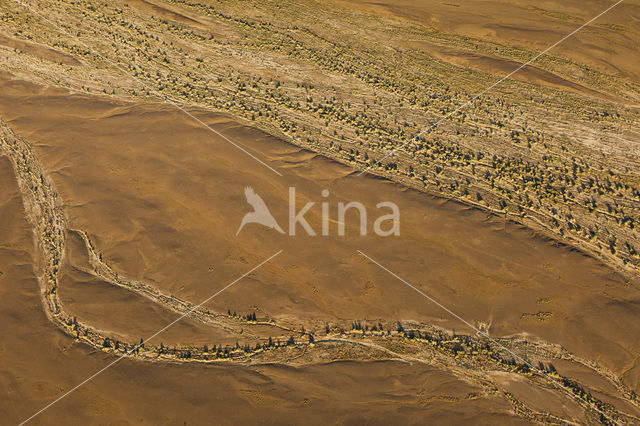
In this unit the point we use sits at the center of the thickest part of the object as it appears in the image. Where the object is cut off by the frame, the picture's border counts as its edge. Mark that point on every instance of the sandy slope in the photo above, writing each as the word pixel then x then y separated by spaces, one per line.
pixel 38 363
pixel 172 224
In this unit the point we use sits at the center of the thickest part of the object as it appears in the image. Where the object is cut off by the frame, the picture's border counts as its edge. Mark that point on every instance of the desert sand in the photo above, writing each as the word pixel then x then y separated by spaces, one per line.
pixel 149 202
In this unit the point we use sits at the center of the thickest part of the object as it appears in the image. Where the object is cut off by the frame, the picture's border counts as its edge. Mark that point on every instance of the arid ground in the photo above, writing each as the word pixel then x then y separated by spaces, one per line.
pixel 130 130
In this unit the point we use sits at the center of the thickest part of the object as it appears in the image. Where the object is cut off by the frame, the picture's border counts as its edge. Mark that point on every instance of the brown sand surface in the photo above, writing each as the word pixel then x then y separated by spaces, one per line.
pixel 609 46
pixel 37 50
pixel 162 199
pixel 159 199
pixel 38 363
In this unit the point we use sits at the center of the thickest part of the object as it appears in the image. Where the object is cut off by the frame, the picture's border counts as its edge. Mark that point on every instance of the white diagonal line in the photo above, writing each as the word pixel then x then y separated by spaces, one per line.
pixel 97 373
pixel 485 335
pixel 146 86
pixel 471 100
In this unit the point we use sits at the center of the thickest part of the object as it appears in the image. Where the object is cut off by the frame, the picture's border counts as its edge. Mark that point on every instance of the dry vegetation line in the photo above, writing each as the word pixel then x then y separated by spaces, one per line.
pixel 477 330
pixel 471 100
pixel 131 351
pixel 149 88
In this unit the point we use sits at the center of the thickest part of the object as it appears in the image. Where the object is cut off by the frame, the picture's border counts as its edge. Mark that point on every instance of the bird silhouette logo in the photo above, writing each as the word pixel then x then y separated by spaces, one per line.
pixel 260 213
